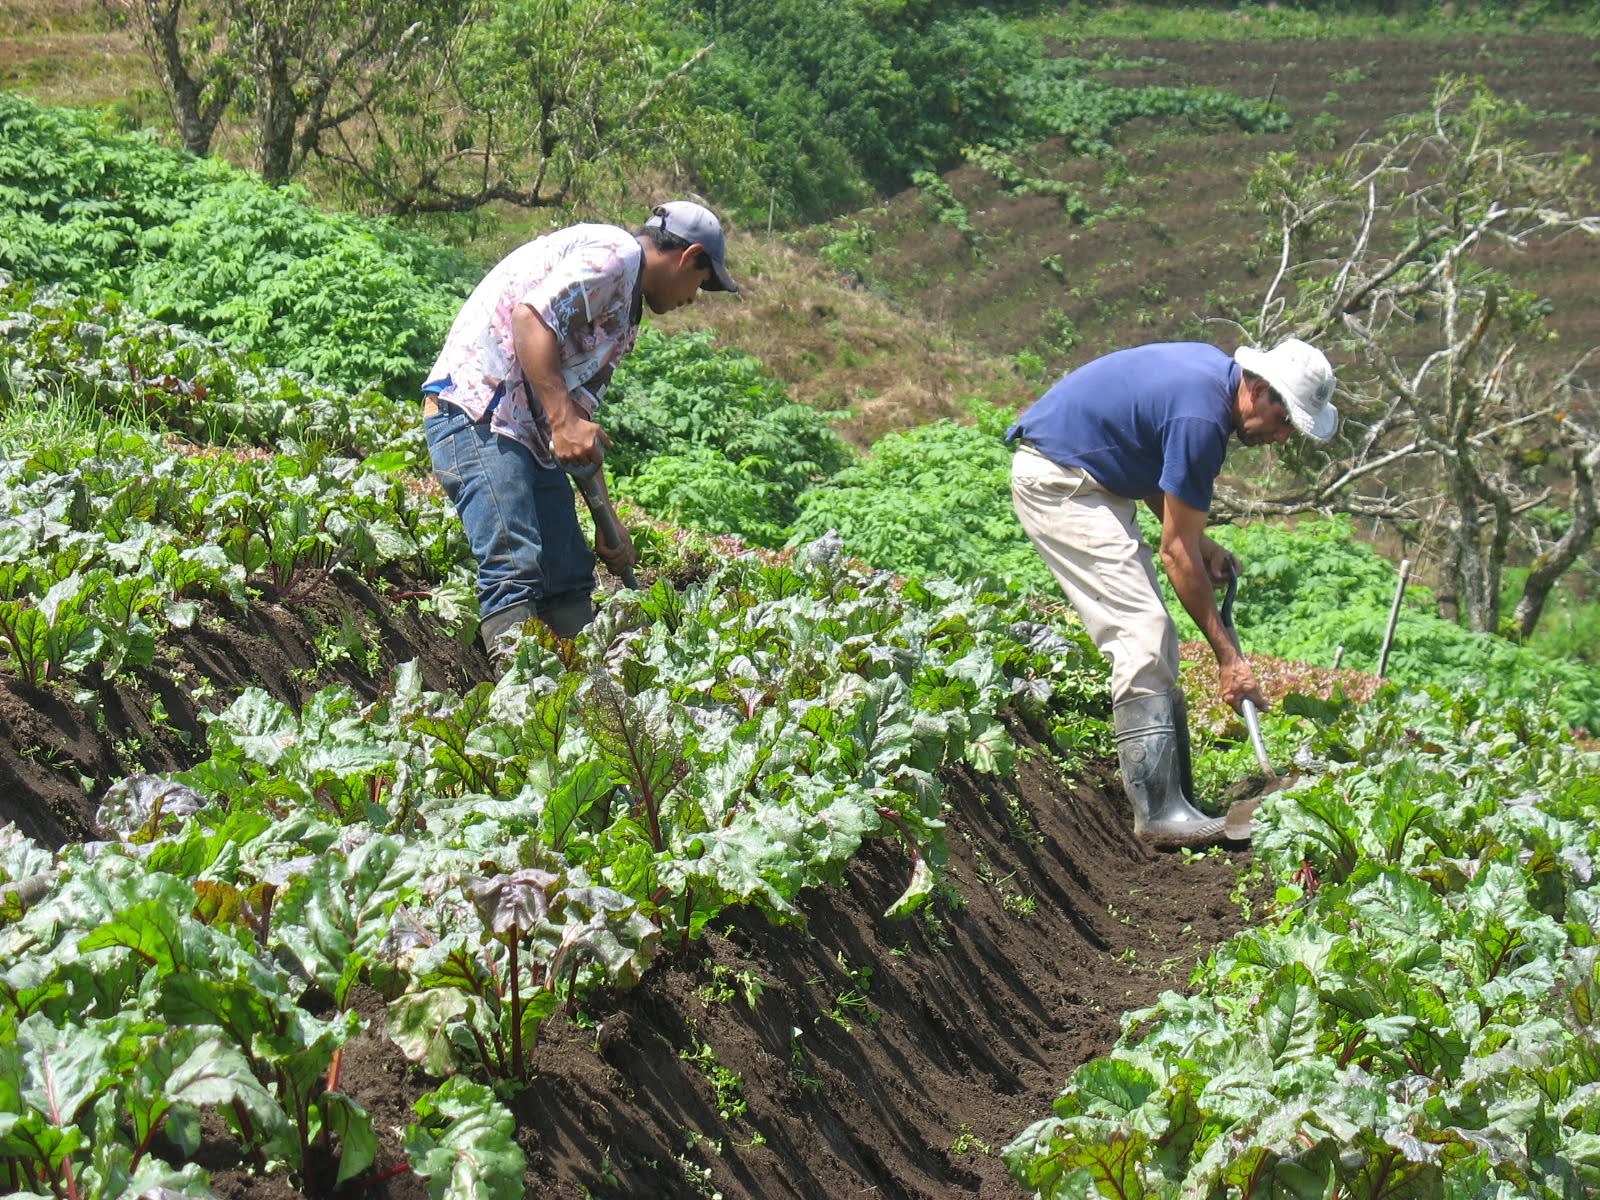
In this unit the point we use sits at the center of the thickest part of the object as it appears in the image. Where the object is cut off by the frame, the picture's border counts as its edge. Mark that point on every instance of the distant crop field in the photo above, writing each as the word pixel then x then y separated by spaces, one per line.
pixel 1166 233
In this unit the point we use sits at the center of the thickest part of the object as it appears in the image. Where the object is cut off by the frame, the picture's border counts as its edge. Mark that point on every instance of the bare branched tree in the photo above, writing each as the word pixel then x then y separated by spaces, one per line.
pixel 299 69
pixel 1394 259
pixel 432 105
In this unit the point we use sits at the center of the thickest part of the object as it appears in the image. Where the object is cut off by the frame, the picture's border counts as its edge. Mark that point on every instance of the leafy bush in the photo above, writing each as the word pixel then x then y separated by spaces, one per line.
pixel 705 489
pixel 931 501
pixel 850 95
pixel 683 397
pixel 347 300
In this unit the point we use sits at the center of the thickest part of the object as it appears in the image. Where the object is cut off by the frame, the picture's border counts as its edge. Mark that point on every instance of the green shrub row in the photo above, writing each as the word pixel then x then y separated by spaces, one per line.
pixel 1416 1018
pixel 348 300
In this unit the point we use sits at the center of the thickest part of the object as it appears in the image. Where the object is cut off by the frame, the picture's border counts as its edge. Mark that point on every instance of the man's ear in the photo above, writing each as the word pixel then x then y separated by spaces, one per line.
pixel 691 253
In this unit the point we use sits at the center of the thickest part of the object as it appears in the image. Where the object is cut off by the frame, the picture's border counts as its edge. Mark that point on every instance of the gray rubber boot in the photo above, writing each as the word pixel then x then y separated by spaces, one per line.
pixel 568 618
pixel 498 630
pixel 1148 750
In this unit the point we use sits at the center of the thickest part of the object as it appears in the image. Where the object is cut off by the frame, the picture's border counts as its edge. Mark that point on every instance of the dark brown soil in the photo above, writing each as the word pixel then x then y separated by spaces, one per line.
pixel 863 1056
pixel 63 744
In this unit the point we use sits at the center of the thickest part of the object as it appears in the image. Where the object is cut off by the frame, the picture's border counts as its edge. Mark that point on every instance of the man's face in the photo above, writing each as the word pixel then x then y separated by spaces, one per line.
pixel 1263 417
pixel 682 284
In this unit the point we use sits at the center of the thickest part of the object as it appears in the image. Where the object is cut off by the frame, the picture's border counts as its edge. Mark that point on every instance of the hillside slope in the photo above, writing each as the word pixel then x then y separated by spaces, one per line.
pixel 1030 279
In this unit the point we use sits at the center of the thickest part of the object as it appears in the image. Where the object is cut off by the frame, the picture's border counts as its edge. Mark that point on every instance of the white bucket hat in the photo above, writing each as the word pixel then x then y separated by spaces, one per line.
pixel 1302 375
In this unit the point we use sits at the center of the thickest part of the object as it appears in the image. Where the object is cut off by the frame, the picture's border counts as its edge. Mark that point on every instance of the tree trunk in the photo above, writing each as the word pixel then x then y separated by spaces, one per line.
pixel 1553 563
pixel 1448 594
pixel 197 104
pixel 277 117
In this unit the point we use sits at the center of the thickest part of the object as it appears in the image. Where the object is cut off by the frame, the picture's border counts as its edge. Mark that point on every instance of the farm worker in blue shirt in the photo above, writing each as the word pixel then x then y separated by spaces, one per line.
pixel 1152 424
pixel 512 401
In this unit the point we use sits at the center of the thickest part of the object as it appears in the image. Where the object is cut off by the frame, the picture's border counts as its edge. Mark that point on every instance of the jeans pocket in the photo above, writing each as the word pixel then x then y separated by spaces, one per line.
pixel 442 453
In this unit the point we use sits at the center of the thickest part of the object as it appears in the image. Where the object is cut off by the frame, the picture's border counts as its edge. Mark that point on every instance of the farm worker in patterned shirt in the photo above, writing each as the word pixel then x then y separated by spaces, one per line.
pixel 512 398
pixel 1152 424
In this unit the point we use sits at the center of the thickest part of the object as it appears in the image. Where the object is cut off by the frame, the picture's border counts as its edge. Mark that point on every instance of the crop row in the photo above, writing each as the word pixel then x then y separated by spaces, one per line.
pixel 1420 1018
pixel 480 860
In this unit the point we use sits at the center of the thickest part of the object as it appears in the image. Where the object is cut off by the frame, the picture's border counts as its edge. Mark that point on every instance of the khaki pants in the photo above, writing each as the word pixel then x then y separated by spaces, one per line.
pixel 1090 540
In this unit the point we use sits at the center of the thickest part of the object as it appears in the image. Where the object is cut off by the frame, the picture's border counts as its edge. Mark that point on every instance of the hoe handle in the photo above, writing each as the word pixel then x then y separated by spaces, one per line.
pixel 1247 707
pixel 588 480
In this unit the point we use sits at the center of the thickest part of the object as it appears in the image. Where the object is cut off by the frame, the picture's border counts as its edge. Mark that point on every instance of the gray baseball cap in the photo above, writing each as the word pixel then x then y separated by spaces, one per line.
pixel 697 225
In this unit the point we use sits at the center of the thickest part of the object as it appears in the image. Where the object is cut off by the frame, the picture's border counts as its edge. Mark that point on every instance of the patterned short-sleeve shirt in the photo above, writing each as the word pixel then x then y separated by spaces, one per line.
pixel 582 282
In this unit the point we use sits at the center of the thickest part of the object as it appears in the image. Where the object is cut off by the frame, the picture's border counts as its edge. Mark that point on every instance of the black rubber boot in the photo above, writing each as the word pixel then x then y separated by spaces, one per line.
pixel 1149 750
pixel 568 618
pixel 498 630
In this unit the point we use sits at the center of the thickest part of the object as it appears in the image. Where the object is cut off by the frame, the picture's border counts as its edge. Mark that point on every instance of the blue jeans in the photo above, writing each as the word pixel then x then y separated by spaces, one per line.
pixel 521 519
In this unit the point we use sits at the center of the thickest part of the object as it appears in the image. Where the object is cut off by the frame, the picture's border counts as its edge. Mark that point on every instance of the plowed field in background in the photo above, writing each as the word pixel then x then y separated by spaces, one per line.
pixel 1159 272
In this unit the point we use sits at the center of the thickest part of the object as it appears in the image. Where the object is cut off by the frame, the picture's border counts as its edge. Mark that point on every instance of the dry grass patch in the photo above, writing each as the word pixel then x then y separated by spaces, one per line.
pixel 68 52
pixel 844 349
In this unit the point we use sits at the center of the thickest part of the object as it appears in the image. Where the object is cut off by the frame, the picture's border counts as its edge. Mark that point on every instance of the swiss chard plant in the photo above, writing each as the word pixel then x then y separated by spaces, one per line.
pixel 1417 1020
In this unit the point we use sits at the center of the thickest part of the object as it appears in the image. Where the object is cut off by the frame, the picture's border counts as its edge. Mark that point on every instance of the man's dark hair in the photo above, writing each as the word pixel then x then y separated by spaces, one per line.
pixel 670 243
pixel 1272 392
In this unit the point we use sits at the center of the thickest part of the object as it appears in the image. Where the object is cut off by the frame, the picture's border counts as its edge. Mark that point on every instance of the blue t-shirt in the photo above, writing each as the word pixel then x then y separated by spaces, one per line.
pixel 1151 419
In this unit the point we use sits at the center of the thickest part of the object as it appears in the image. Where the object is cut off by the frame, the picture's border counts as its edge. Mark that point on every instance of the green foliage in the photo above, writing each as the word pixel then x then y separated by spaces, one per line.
pixel 122 537
pixel 482 858
pixel 62 354
pixel 945 205
pixel 844 96
pixel 704 489
pixel 849 247
pixel 730 430
pixel 934 500
pixel 1418 1019
pixel 347 300
pixel 1313 587
pixel 1059 98
pixel 541 105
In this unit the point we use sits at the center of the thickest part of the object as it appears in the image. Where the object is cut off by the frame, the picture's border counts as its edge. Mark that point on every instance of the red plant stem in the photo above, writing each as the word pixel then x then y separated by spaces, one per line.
pixel 650 804
pixel 387 1174
pixel 489 1063
pixel 893 818
pixel 248 1129
pixel 66 1164
pixel 264 926
pixel 333 1069
pixel 572 986
pixel 411 596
